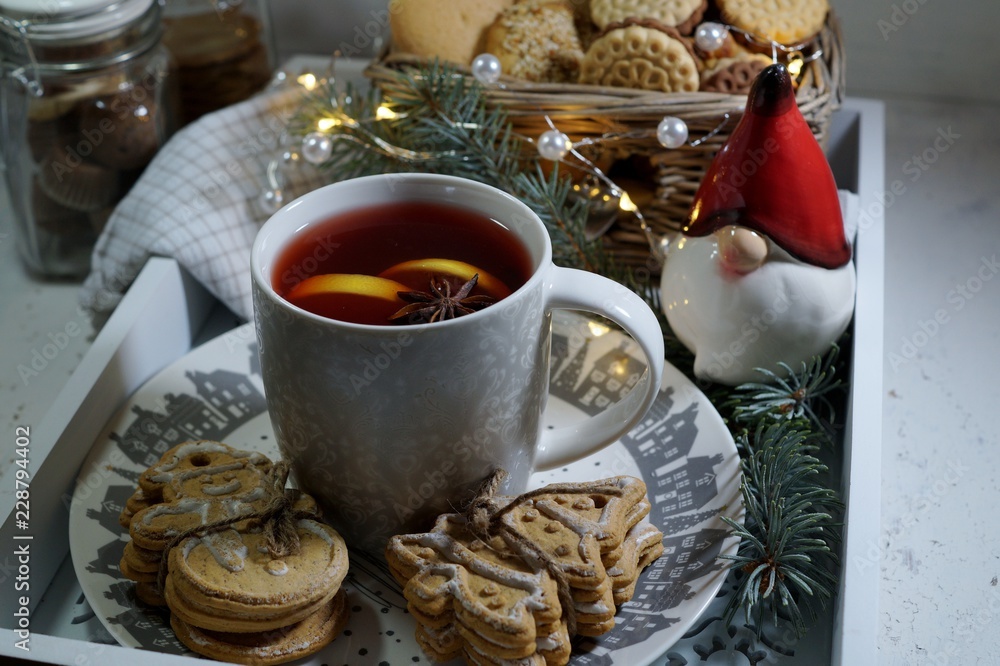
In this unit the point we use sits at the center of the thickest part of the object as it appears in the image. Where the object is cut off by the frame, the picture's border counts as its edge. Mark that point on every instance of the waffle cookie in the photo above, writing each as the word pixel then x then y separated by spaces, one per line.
pixel 641 54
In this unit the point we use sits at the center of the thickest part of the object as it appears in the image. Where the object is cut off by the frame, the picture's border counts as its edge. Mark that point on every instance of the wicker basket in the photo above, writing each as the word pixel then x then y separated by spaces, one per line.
pixel 674 175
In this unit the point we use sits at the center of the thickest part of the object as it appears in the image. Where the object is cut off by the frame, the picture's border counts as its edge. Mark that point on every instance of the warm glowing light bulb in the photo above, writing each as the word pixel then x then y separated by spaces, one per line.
pixel 385 113
pixel 795 66
pixel 327 124
pixel 626 203
pixel 307 81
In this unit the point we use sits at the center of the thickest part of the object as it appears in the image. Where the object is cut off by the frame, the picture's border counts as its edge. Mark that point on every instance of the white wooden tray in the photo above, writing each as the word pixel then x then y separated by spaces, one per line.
pixel 166 313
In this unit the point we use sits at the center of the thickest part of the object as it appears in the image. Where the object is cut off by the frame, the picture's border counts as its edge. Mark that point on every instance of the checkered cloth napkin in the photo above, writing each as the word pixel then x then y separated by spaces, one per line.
pixel 199 202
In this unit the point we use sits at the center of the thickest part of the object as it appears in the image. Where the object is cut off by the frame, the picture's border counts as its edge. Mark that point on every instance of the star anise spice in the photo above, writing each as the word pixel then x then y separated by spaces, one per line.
pixel 439 303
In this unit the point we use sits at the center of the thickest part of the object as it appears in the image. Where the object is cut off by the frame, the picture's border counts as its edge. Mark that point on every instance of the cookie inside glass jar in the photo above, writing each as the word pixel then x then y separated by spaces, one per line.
pixel 87 96
pixel 223 52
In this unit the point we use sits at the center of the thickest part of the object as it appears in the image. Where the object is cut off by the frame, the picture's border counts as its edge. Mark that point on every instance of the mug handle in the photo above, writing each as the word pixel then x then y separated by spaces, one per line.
pixel 573 289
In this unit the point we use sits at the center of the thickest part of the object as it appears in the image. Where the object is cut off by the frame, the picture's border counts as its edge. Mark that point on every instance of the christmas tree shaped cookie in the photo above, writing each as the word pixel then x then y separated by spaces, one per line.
pixel 472 598
pixel 498 599
pixel 573 526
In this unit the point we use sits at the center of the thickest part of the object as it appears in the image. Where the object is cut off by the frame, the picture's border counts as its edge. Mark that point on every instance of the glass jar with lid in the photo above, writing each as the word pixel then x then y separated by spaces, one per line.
pixel 86 100
pixel 224 51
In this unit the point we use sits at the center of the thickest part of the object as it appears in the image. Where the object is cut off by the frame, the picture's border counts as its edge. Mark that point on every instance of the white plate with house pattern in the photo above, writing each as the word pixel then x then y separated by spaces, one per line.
pixel 682 450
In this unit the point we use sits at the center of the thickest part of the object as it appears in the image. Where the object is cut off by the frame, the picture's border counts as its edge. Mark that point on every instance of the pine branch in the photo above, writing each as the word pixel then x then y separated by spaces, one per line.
pixel 803 394
pixel 785 555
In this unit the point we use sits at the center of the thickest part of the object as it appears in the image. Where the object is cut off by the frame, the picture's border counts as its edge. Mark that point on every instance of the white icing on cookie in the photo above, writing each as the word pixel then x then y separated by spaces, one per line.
pixel 276 567
pixel 315 528
pixel 595 608
pixel 164 472
pixel 225 489
pixel 227 548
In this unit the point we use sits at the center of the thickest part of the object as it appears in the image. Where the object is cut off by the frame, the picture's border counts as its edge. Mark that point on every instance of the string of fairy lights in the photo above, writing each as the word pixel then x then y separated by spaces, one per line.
pixel 316 147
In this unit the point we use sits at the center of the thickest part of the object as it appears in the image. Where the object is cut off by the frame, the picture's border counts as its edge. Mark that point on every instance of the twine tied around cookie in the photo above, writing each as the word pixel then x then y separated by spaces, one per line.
pixel 278 519
pixel 484 517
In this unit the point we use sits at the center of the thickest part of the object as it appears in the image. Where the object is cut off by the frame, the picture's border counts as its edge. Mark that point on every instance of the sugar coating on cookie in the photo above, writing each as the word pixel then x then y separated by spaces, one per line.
pixel 684 14
pixel 537 42
pixel 784 21
pixel 638 56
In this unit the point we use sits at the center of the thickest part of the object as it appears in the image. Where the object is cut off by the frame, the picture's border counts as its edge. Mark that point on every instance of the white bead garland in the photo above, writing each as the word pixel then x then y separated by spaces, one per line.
pixel 316 147
pixel 486 68
pixel 672 132
pixel 554 145
pixel 710 36
pixel 271 200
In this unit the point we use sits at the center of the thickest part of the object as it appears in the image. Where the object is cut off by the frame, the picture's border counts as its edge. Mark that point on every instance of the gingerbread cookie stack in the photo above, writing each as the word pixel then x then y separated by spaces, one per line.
pixel 203 543
pixel 557 562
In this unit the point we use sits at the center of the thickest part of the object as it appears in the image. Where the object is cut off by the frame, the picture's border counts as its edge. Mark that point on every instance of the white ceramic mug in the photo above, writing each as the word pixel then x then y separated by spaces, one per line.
pixel 389 426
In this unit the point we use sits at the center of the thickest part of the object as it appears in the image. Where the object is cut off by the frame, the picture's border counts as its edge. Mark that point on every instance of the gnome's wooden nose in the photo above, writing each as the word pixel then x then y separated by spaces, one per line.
pixel 741 251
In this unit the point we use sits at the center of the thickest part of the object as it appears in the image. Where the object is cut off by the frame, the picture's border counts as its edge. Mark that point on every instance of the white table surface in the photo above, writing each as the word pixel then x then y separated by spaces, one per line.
pixel 940 541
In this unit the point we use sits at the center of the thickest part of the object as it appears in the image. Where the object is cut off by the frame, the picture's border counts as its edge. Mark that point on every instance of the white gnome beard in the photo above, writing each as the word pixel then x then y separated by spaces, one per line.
pixel 783 311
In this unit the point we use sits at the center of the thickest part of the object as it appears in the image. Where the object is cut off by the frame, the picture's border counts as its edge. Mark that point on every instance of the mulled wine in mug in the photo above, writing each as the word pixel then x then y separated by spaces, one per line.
pixel 404 330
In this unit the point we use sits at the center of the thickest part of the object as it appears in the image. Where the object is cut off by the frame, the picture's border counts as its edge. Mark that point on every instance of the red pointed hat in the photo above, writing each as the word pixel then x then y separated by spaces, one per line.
pixel 772 176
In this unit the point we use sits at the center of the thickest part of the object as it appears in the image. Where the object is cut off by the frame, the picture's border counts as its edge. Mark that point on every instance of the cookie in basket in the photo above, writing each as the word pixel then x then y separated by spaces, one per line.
pixel 642 54
pixel 443 29
pixel 537 41
pixel 787 22
pixel 734 74
pixel 684 15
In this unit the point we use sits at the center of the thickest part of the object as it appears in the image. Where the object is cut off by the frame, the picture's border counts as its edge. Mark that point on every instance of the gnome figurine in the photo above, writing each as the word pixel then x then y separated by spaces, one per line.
pixel 762 272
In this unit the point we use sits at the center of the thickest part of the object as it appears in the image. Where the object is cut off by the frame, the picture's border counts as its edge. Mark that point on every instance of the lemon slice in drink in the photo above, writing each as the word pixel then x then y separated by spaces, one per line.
pixel 363 299
pixel 417 275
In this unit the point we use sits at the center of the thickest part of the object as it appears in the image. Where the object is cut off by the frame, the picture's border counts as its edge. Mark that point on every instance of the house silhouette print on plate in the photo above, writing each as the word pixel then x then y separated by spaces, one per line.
pixel 662 437
pixel 112 505
pixel 678 489
pixel 612 376
pixel 107 560
pixel 685 558
pixel 223 401
pixel 150 627
pixel 630 629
